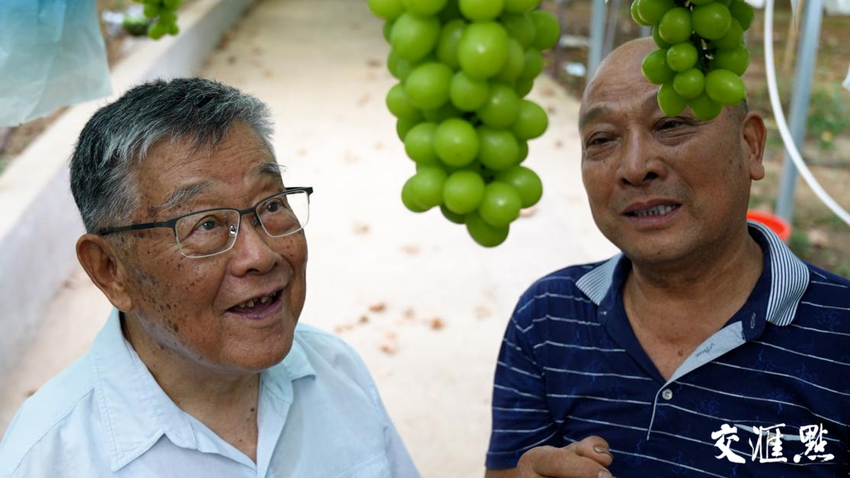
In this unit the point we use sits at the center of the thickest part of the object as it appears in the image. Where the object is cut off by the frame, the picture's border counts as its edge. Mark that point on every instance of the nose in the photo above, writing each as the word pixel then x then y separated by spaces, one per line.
pixel 639 163
pixel 252 253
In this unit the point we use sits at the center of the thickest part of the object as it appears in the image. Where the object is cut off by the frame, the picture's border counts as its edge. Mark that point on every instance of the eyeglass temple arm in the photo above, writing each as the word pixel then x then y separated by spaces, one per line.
pixel 137 227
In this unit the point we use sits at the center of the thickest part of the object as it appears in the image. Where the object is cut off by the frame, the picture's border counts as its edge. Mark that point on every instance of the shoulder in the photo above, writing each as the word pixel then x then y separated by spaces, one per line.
pixel 558 291
pixel 826 301
pixel 63 406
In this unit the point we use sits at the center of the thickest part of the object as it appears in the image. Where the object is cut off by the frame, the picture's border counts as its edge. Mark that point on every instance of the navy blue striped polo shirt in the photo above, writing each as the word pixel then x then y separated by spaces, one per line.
pixel 767 395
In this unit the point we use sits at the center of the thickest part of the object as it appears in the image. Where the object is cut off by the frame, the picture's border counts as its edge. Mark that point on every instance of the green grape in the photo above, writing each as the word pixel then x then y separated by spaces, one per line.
pixel 498 148
pixel 523 87
pixel 468 94
pixel 682 56
pixel 455 218
pixel 548 30
pixel 735 60
pixel 704 108
pixel 526 182
pixel 388 30
pixel 655 69
pixel 701 2
pixel 669 101
pixel 456 142
pixel 725 87
pixel 409 199
pixel 424 8
pixel 483 50
pixel 442 113
pixel 400 107
pixel 173 29
pixel 523 150
pixel 427 86
pixel 157 30
pixel 449 39
pixel 402 127
pixel 426 188
pixel 414 37
pixel 167 16
pixel 675 26
pixel 635 10
pixel 450 12
pixel 172 4
pixel 726 2
pixel 500 205
pixel 732 39
pixel 711 21
pixel 742 12
pixel 501 108
pixel 481 10
pixel 419 143
pixel 689 84
pixel 151 10
pixel 657 38
pixel 514 64
pixel 532 64
pixel 386 9
pixel 483 233
pixel 520 27
pixel 651 11
pixel 531 121
pixel 520 6
pixel 463 192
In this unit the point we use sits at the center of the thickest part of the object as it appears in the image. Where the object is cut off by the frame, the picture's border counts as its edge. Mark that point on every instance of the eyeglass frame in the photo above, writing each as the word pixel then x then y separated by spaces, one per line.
pixel 172 223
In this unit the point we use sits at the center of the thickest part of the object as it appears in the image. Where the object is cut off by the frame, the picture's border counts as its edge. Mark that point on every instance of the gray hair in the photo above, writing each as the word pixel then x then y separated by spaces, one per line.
pixel 117 139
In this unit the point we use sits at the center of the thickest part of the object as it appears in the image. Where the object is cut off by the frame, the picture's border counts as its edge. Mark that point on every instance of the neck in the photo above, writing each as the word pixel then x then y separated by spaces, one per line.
pixel 225 402
pixel 683 297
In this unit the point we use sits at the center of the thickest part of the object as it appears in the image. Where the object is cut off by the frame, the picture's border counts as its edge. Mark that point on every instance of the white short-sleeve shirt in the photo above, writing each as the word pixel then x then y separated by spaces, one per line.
pixel 319 415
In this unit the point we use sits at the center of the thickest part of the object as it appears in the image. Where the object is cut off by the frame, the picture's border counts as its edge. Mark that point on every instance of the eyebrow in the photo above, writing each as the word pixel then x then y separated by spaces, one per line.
pixel 190 191
pixel 596 111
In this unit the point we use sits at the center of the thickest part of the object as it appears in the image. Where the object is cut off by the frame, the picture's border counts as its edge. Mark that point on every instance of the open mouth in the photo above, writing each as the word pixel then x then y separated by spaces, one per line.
pixel 662 210
pixel 258 306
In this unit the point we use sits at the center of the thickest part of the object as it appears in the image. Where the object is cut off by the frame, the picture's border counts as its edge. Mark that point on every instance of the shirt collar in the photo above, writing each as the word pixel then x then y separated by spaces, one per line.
pixel 789 277
pixel 136 412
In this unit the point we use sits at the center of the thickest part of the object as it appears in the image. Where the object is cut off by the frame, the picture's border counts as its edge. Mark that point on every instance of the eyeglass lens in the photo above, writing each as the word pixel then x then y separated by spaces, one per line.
pixel 211 232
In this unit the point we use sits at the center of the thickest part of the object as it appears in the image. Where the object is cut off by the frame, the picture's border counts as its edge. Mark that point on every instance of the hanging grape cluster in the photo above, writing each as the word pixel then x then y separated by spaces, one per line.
pixel 464 68
pixel 701 54
pixel 164 14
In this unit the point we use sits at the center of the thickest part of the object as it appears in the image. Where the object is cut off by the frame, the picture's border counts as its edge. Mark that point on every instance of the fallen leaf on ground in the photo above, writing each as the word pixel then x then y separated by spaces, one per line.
pixel 378 307
pixel 559 144
pixel 437 323
pixel 389 344
pixel 373 63
pixel 528 212
pixel 364 319
pixel 547 91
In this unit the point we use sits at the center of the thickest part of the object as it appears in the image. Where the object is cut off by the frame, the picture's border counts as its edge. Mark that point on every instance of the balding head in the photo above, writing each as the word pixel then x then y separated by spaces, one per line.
pixel 620 73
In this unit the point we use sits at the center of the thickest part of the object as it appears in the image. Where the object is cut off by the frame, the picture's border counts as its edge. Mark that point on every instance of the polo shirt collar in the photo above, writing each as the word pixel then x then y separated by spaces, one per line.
pixel 136 412
pixel 789 277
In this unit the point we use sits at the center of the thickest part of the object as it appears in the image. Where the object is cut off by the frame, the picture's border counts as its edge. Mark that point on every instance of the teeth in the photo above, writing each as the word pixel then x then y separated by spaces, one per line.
pixel 655 211
pixel 261 300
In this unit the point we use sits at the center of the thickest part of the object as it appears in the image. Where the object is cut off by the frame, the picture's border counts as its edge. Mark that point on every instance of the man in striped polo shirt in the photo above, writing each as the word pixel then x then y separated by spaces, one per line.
pixel 706 348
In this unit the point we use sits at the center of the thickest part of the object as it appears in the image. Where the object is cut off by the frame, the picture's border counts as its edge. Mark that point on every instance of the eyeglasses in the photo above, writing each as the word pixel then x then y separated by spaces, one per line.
pixel 214 231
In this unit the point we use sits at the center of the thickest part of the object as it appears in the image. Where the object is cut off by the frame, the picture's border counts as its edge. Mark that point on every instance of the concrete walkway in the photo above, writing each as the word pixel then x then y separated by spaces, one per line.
pixel 423 304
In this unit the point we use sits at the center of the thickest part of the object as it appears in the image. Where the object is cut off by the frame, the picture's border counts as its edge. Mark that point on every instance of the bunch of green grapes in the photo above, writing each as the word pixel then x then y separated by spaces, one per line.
pixel 464 68
pixel 164 14
pixel 701 54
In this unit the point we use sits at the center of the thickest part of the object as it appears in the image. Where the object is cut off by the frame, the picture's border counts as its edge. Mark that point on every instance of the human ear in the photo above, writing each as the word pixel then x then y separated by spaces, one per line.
pixel 99 260
pixel 755 135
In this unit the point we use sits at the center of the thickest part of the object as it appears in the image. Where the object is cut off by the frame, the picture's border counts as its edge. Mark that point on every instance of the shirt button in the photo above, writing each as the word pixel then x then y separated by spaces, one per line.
pixel 667 394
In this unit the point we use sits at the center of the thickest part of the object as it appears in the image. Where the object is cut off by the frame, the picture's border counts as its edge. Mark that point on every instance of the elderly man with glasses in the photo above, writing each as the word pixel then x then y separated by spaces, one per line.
pixel 200 370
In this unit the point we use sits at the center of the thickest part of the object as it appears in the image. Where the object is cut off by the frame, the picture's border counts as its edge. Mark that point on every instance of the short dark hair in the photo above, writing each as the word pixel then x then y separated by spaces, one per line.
pixel 117 138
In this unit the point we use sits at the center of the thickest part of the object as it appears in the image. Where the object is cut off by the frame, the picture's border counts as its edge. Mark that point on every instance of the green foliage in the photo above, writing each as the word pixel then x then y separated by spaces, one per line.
pixel 829 115
pixel 799 242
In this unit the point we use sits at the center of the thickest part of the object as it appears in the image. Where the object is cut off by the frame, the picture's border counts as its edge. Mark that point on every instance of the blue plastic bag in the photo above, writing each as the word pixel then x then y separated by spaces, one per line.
pixel 52 55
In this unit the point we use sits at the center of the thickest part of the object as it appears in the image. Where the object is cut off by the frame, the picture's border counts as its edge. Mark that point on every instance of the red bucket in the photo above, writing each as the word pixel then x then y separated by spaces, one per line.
pixel 775 223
